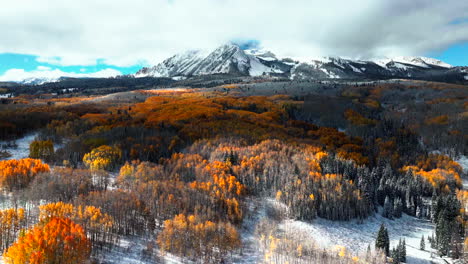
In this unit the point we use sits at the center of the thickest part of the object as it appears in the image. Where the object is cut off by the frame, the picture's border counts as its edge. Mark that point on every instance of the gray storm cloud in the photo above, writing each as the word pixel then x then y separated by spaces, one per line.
pixel 128 32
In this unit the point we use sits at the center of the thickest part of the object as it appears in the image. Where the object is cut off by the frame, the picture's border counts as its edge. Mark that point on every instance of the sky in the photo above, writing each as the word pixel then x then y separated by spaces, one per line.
pixel 52 38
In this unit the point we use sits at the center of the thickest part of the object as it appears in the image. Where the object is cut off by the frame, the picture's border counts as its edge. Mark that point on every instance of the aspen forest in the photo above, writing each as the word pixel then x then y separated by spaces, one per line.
pixel 229 173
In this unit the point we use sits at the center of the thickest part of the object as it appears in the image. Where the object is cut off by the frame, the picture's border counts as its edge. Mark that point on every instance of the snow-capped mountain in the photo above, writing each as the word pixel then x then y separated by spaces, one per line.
pixel 39 80
pixel 227 59
pixel 232 60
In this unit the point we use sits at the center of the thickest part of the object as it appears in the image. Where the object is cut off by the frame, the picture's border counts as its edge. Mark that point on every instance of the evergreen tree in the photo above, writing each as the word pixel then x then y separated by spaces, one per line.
pixel 432 240
pixel 395 256
pixel 388 208
pixel 422 245
pixel 403 251
pixel 383 240
pixel 397 208
pixel 368 252
pixel 399 253
pixel 443 235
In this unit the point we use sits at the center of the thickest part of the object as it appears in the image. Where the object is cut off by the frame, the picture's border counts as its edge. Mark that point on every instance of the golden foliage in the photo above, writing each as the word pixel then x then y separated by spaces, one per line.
pixel 438 170
pixel 190 236
pixel 41 149
pixel 357 119
pixel 102 158
pixel 96 224
pixel 17 174
pixel 11 222
pixel 438 120
pixel 59 240
pixel 88 216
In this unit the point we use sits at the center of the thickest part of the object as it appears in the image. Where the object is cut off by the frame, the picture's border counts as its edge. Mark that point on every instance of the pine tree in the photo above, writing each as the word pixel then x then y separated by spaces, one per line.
pixel 388 208
pixel 399 253
pixel 368 253
pixel 395 256
pixel 383 241
pixel 433 242
pixel 443 235
pixel 422 245
pixel 398 208
pixel 403 251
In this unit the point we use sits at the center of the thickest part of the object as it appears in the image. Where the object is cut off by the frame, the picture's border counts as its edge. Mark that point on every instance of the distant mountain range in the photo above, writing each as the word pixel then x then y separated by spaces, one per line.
pixel 232 60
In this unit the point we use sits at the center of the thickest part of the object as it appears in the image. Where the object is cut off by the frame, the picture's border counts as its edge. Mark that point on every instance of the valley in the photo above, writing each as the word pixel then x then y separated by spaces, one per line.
pixel 293 171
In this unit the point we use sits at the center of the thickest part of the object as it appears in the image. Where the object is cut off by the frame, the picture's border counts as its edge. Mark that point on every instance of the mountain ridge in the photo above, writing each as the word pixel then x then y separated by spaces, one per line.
pixel 231 59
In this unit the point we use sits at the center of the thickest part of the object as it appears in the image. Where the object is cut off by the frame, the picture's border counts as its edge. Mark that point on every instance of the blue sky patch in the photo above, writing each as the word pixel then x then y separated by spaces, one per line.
pixel 29 63
pixel 456 55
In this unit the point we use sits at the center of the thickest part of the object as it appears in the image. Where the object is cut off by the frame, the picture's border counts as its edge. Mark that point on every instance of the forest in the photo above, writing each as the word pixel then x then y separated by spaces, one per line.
pixel 182 170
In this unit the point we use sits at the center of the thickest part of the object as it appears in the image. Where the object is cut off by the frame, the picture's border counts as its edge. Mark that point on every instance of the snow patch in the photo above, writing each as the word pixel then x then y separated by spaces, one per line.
pixel 358 236
pixel 401 66
pixel 21 150
pixel 330 74
pixel 355 69
pixel 463 161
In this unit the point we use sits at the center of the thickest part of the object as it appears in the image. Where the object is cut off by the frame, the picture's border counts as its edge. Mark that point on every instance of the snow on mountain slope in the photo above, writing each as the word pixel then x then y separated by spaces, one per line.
pixel 39 80
pixel 231 59
pixel 422 62
pixel 185 62
pixel 228 59
pixel 262 54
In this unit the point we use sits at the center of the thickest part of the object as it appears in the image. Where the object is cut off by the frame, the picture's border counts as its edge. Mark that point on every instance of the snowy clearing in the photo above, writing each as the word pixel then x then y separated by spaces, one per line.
pixel 356 236
pixel 21 150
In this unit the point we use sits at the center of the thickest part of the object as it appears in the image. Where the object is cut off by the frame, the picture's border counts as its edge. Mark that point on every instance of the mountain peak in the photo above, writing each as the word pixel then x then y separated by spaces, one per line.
pixel 231 59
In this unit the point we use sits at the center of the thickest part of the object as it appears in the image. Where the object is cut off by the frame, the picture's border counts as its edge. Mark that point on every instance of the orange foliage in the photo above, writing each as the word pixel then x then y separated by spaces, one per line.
pixel 136 172
pixel 97 118
pixel 346 147
pixel 197 116
pixel 438 170
pixel 86 215
pixel 192 237
pixel 462 196
pixel 58 241
pixel 17 174
pixel 438 120
pixel 387 150
pixel 11 222
pixel 434 161
pixel 96 223
pixel 357 119
pixel 222 185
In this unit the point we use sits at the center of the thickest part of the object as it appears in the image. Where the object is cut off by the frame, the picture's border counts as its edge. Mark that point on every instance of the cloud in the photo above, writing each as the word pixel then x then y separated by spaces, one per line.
pixel 43 68
pixel 123 33
pixel 17 75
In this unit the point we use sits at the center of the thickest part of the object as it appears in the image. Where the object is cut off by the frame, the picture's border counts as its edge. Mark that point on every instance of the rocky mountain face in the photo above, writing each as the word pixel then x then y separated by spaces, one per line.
pixel 232 60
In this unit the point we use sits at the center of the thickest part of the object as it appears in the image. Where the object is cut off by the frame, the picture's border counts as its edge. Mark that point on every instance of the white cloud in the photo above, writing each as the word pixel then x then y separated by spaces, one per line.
pixel 69 32
pixel 43 68
pixel 17 75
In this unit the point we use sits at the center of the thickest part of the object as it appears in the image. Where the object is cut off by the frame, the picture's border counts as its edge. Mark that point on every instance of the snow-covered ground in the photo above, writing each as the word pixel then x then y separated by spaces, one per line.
pixel 130 250
pixel 463 161
pixel 21 150
pixel 356 237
